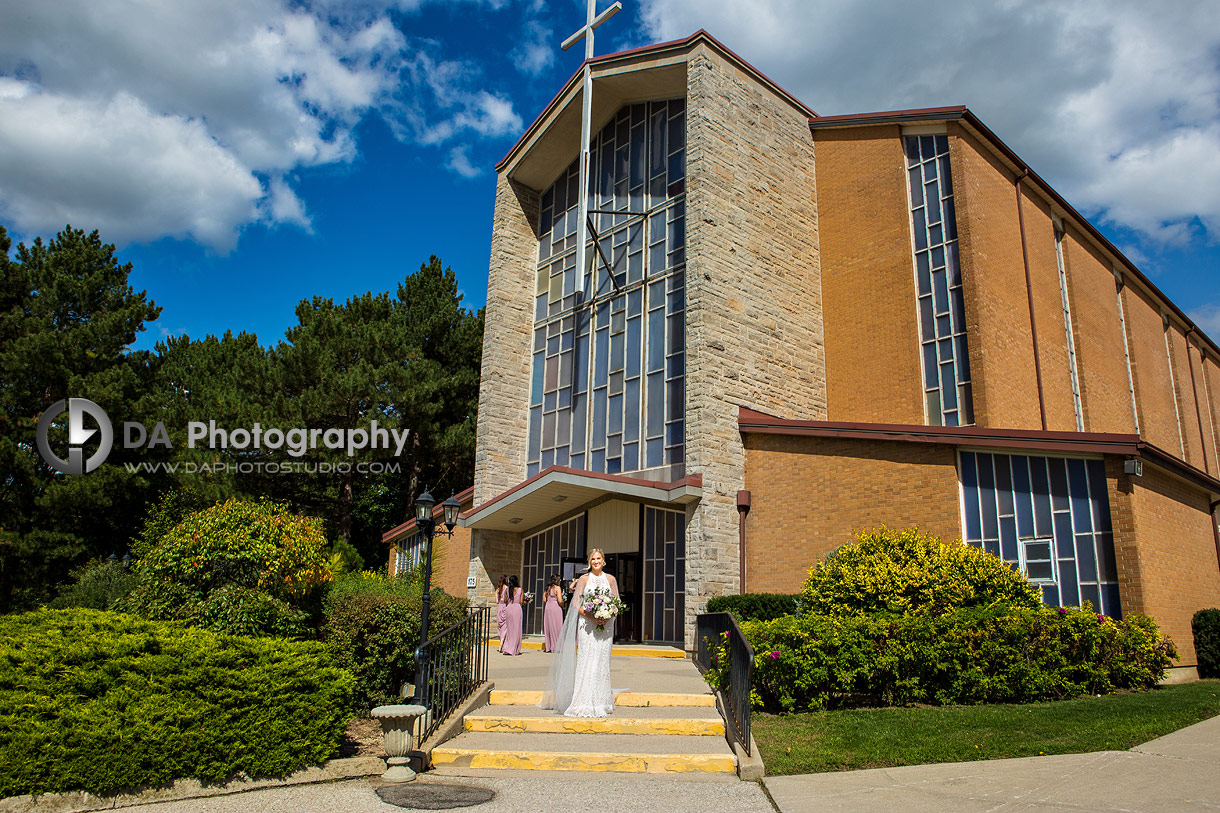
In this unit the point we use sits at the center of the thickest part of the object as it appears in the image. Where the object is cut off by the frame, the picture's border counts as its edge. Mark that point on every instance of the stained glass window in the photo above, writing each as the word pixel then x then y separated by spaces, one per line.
pixel 938 278
pixel 608 373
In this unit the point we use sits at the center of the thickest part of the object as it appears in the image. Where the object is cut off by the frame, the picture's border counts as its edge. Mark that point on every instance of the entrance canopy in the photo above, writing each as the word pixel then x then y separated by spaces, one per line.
pixel 558 490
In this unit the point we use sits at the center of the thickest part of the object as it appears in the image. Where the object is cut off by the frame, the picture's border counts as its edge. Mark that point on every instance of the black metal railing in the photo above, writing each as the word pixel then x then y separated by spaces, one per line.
pixel 450 666
pixel 710 630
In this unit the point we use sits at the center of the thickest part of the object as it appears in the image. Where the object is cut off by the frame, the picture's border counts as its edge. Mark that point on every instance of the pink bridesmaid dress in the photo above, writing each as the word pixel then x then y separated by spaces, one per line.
pixel 501 613
pixel 552 620
pixel 511 642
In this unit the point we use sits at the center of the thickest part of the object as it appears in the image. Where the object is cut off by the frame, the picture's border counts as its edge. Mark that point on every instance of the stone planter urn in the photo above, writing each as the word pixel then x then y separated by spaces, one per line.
pixel 397 727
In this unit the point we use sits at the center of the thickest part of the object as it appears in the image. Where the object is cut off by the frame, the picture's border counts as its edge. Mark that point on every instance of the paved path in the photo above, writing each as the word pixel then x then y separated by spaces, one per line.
pixel 515 792
pixel 1180 771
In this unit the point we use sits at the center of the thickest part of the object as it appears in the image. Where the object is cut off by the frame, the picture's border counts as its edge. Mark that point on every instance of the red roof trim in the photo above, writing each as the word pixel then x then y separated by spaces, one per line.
pixel 695 480
pixel 961 112
pixel 701 34
pixel 751 421
pixel 464 496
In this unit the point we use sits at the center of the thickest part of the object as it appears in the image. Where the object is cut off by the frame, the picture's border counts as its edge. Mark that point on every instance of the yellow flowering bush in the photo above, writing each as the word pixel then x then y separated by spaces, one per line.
pixel 241 566
pixel 885 570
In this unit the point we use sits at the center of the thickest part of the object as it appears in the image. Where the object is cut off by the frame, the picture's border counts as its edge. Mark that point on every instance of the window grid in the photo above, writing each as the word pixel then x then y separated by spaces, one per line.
pixel 664 574
pixel 942 318
pixel 608 373
pixel 409 553
pixel 1011 500
pixel 542 555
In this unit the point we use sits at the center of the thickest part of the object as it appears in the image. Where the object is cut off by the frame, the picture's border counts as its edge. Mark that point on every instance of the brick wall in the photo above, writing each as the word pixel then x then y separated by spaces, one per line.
pixel 1209 386
pixel 1150 370
pixel 809 495
pixel 868 282
pixel 1048 312
pixel 1188 406
pixel 1097 325
pixel 993 286
pixel 754 319
pixel 1176 551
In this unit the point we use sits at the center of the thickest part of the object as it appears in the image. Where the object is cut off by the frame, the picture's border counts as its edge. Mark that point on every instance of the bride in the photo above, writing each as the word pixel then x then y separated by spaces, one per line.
pixel 578 684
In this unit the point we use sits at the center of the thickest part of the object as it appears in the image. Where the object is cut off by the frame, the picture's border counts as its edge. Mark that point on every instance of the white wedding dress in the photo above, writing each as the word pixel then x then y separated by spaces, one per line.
pixel 578 682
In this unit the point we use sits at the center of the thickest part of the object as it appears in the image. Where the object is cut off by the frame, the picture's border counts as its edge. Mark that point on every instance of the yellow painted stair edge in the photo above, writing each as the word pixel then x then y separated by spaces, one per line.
pixel 603 725
pixel 511 697
pixel 549 761
pixel 625 650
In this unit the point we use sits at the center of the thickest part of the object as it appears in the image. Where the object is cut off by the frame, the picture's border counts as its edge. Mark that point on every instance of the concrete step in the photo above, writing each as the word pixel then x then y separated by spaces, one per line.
pixel 632 753
pixel 626 650
pixel 679 720
pixel 527 697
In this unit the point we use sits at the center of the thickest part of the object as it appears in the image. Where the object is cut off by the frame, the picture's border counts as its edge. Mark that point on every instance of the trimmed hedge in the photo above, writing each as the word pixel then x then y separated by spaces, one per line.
pixel 103 702
pixel 372 630
pixel 889 571
pixel 755 606
pixel 999 654
pixel 1206 628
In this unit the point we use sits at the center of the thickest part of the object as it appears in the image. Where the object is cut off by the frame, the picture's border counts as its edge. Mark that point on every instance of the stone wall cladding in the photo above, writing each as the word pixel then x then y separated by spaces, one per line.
pixel 1176 549
pixel 810 495
pixel 1150 369
pixel 864 233
pixel 993 285
pixel 492 554
pixel 754 320
pixel 1105 391
pixel 500 445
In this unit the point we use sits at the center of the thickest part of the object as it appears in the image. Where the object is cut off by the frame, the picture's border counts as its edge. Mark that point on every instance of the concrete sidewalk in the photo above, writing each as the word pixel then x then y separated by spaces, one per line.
pixel 1176 772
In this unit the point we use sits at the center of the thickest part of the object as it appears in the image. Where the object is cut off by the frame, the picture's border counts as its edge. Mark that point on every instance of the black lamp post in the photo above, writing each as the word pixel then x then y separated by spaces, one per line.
pixel 424 504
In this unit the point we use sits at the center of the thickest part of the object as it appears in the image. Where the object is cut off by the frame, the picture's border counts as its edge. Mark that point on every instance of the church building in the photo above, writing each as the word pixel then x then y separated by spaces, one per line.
pixel 791 327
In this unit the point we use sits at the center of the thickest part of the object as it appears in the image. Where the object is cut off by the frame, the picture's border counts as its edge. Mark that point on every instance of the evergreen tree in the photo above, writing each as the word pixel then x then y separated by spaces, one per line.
pixel 67 319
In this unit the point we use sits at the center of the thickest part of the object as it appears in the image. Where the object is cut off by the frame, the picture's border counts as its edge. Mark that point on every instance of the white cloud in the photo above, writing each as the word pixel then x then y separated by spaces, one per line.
pixel 148 119
pixel 536 51
pixel 459 162
pixel 1207 317
pixel 1115 102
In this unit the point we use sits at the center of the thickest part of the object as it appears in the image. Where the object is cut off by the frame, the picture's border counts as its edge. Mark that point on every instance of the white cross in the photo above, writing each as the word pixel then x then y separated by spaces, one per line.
pixel 592 21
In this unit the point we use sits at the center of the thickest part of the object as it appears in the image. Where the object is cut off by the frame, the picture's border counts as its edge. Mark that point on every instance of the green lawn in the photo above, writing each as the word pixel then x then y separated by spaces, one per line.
pixel 880 738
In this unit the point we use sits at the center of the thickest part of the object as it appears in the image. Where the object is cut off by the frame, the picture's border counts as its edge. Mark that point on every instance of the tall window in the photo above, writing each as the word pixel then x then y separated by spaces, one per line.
pixel 608 377
pixel 938 277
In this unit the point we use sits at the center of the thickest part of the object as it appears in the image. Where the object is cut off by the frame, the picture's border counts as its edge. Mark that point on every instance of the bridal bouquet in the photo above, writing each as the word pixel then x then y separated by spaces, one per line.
pixel 602 605
pixel 526 598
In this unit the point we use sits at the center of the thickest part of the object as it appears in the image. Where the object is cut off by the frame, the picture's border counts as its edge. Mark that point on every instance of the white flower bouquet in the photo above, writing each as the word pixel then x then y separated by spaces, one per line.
pixel 602 605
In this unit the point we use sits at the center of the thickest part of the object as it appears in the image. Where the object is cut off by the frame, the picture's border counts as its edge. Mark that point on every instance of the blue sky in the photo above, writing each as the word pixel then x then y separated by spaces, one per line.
pixel 247 154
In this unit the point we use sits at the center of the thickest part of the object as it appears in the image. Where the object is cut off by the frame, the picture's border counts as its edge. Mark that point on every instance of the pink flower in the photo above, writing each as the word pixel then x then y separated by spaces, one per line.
pixel 1063 611
pixel 775 654
pixel 1101 619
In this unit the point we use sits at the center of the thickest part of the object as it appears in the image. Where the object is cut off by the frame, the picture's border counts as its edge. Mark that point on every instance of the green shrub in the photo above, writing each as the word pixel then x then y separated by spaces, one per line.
pixel 206 570
pixel 98 585
pixel 997 654
pixel 755 606
pixel 1206 628
pixel 907 571
pixel 372 630
pixel 103 702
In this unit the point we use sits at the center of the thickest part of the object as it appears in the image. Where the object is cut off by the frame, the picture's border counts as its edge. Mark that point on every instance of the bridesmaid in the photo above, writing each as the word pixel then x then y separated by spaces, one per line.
pixel 511 642
pixel 552 616
pixel 501 608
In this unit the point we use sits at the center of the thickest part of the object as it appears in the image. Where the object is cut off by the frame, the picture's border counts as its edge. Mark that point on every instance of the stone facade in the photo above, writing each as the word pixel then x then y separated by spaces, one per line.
pixel 754 320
